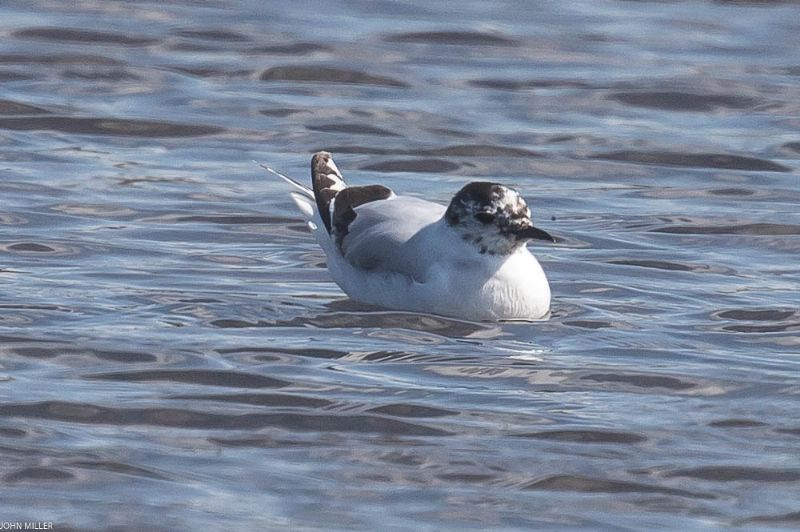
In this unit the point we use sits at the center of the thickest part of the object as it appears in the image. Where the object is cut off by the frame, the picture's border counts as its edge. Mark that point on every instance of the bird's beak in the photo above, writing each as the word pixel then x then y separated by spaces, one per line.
pixel 530 232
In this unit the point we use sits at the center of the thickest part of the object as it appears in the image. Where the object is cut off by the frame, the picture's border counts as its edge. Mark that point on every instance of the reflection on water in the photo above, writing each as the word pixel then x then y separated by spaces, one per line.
pixel 173 354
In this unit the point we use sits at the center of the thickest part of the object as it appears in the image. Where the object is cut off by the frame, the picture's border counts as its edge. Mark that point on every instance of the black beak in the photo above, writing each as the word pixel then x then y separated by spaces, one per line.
pixel 530 232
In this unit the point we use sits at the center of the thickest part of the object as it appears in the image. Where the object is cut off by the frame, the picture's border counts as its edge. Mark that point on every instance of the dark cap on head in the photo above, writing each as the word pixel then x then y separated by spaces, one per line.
pixel 473 197
pixel 493 216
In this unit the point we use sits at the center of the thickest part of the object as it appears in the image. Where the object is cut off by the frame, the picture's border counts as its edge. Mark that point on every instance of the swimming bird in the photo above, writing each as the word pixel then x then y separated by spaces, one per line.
pixel 468 260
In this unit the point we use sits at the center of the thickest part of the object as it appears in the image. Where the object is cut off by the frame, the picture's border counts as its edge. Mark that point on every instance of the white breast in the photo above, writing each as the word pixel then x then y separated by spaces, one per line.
pixel 483 288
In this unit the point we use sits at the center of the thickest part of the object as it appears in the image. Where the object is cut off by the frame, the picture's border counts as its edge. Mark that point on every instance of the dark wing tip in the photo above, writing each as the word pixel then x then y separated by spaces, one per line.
pixel 320 160
pixel 327 181
pixel 350 198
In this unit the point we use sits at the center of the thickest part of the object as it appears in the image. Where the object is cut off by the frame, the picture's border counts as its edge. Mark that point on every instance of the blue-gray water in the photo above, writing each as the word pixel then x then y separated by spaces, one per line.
pixel 173 354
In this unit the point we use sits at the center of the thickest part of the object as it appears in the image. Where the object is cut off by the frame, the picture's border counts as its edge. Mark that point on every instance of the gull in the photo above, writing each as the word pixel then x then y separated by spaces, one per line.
pixel 468 260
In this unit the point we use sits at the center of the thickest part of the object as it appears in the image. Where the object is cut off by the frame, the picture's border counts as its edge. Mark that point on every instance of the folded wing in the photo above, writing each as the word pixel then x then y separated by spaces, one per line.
pixel 373 228
pixel 390 236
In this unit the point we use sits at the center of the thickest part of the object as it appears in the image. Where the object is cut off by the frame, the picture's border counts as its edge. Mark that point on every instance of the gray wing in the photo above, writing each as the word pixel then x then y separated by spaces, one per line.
pixel 388 235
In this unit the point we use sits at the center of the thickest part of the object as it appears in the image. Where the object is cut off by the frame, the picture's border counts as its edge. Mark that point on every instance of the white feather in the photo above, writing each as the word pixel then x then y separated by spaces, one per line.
pixel 299 186
pixel 303 203
pixel 399 253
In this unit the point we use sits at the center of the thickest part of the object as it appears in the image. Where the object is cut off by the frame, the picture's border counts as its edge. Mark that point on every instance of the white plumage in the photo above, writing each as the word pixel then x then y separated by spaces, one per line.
pixel 466 261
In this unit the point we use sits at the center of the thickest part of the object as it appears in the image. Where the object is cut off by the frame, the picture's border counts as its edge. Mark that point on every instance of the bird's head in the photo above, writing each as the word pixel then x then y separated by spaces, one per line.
pixel 493 217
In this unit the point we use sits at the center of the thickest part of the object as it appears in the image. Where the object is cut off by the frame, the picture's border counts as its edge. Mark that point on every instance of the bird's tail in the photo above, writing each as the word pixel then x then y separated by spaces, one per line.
pixel 327 181
pixel 302 196
pixel 330 203
pixel 335 200
pixel 330 200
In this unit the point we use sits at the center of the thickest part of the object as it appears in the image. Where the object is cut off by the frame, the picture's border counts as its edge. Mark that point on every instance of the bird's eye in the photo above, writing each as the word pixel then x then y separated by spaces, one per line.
pixel 484 217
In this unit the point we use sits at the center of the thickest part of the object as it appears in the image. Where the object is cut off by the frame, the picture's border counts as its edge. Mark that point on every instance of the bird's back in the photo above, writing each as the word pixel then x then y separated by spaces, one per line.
pixel 390 236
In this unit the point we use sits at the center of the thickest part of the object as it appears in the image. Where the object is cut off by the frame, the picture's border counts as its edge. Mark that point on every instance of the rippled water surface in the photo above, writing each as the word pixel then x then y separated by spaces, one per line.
pixel 173 354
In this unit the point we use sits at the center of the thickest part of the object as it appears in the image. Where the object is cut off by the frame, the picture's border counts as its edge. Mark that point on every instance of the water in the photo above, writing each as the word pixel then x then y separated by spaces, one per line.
pixel 174 355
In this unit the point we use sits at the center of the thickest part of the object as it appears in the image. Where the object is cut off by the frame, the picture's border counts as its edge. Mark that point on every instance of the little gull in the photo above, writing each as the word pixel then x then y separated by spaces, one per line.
pixel 468 260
